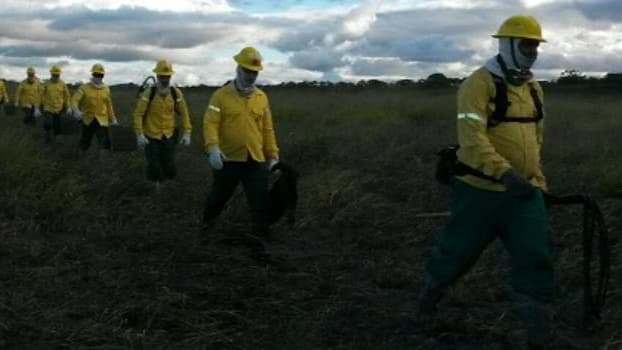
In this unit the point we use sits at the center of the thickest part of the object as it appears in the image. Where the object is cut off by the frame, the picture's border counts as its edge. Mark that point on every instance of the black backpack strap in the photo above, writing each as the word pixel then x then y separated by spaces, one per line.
pixel 173 95
pixel 536 101
pixel 500 100
pixel 502 103
pixel 152 94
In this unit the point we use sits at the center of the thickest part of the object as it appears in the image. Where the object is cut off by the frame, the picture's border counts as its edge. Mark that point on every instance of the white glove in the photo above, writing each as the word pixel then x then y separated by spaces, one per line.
pixel 272 163
pixel 77 114
pixel 185 140
pixel 141 140
pixel 215 158
pixel 114 121
pixel 68 112
pixel 37 113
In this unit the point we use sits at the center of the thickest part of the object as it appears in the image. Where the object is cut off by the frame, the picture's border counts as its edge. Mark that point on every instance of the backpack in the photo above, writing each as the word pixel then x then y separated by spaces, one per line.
pixel 146 84
pixel 448 166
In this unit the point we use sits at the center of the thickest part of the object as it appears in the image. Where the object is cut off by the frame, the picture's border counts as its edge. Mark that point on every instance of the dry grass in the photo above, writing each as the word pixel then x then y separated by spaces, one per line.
pixel 93 259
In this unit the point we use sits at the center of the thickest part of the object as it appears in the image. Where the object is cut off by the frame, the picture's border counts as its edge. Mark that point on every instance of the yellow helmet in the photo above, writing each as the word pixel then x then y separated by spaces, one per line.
pixel 520 26
pixel 30 70
pixel 249 58
pixel 55 70
pixel 164 67
pixel 98 68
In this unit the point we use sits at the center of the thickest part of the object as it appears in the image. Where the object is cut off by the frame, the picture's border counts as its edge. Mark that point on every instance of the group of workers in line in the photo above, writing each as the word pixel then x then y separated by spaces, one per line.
pixel 502 145
pixel 240 141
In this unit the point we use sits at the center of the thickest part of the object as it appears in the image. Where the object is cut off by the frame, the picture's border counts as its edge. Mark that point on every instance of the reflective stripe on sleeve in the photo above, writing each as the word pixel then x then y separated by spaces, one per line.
pixel 472 116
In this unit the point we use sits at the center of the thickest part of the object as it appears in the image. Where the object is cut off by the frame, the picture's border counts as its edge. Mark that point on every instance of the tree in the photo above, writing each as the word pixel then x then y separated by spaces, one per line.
pixel 571 76
pixel 436 80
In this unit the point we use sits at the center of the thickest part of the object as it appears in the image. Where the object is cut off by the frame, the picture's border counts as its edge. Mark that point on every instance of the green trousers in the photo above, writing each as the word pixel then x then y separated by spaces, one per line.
pixel 254 177
pixel 94 129
pixel 478 217
pixel 51 124
pixel 160 156
pixel 29 115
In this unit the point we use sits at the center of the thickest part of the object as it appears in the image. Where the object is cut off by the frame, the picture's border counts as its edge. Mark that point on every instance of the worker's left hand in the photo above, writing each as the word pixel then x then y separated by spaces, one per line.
pixel 185 140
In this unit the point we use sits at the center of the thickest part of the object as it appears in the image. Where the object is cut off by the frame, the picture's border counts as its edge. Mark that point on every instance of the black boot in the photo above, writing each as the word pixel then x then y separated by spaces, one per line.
pixel 428 299
pixel 536 317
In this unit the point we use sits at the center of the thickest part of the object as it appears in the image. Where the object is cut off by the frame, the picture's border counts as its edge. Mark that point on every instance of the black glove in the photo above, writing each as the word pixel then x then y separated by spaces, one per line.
pixel 517 185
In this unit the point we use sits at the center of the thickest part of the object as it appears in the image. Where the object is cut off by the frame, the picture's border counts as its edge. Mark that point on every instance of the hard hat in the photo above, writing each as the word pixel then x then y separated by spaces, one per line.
pixel 98 68
pixel 163 67
pixel 55 70
pixel 520 26
pixel 30 70
pixel 249 58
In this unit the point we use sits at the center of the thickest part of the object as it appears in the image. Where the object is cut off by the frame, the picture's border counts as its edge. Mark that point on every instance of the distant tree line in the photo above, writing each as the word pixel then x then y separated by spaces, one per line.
pixel 568 78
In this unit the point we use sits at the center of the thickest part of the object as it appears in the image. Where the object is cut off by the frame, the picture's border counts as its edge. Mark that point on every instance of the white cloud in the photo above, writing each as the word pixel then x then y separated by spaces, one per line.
pixel 369 39
pixel 360 19
pixel 207 6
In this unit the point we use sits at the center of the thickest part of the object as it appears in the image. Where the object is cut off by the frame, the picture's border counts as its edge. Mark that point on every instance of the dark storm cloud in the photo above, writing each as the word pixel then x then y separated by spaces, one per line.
pixel 610 10
pixel 317 60
pixel 82 51
pixel 410 36
pixel 391 43
pixel 134 26
pixel 129 25
pixel 431 48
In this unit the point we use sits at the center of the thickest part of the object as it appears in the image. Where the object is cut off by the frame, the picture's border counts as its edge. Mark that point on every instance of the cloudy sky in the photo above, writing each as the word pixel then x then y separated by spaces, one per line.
pixel 299 39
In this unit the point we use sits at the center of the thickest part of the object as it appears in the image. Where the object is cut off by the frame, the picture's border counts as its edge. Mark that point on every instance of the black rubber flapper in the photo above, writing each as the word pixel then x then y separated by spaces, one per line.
pixel 595 240
pixel 122 138
pixel 9 109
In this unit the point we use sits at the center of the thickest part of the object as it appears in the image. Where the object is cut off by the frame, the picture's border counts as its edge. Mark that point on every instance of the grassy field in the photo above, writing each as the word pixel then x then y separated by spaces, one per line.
pixel 92 258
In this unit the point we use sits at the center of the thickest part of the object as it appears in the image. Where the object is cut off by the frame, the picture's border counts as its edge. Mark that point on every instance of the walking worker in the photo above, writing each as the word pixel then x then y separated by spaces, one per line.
pixel 500 136
pixel 55 99
pixel 92 104
pixel 241 142
pixel 154 124
pixel 28 97
pixel 4 93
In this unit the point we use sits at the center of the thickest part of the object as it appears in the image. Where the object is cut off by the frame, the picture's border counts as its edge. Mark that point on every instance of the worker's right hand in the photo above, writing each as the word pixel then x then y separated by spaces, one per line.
pixel 215 157
pixel 517 185
pixel 141 140
pixel 36 113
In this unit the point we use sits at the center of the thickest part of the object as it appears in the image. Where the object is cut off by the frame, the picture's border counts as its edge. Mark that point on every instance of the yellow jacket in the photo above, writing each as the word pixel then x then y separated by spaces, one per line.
pixel 55 96
pixel 28 94
pixel 95 102
pixel 509 144
pixel 4 94
pixel 240 126
pixel 157 119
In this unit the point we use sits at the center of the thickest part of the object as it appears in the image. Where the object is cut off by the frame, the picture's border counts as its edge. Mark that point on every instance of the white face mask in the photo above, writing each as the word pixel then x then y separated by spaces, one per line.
pixel 244 80
pixel 97 80
pixel 512 55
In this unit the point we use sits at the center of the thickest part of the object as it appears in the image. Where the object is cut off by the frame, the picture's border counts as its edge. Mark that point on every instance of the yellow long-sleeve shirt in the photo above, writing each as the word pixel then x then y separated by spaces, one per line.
pixel 95 102
pixel 4 94
pixel 55 96
pixel 240 125
pixel 509 145
pixel 28 94
pixel 156 118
